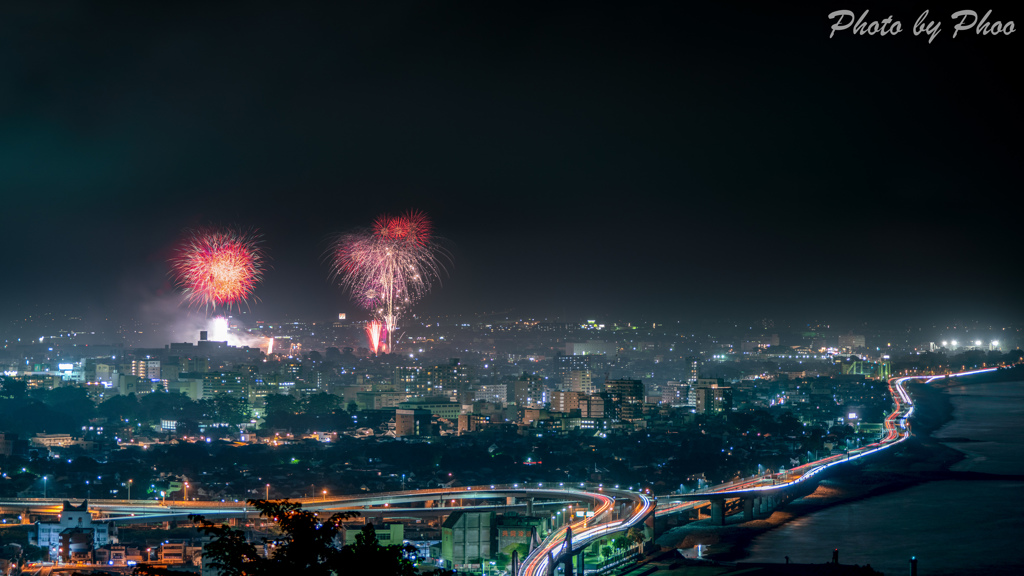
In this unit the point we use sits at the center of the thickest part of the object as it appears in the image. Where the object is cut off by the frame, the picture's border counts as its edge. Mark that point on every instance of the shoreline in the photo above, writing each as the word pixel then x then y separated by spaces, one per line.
pixel 920 459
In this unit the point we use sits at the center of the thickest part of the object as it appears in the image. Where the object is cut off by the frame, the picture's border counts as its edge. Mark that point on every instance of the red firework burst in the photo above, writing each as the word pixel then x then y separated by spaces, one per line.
pixel 388 267
pixel 413 227
pixel 218 267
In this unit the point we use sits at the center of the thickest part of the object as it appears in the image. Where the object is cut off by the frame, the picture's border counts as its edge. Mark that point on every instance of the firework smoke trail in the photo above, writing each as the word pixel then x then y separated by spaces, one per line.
pixel 218 267
pixel 389 266
pixel 375 332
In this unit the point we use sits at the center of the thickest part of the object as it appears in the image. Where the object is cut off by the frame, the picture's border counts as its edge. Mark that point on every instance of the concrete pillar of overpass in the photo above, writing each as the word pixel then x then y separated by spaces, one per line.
pixel 551 564
pixel 428 504
pixel 25 517
pixel 580 566
pixel 510 501
pixel 749 505
pixel 650 525
pixel 764 507
pixel 718 512
pixel 529 506
pixel 568 548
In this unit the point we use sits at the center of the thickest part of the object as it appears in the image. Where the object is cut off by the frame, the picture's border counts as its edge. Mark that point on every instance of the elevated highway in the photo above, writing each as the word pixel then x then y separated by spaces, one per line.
pixel 757 495
pixel 437 500
pixel 569 542
pixel 760 494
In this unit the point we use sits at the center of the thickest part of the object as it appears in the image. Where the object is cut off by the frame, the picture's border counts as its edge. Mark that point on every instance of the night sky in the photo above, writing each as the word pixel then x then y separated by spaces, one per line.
pixel 644 160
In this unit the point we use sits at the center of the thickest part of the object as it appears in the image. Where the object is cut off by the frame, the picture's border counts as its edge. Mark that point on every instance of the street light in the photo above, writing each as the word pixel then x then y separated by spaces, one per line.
pixel 186 491
pixel 325 495
pixel 44 486
pixel 268 491
pixel 129 489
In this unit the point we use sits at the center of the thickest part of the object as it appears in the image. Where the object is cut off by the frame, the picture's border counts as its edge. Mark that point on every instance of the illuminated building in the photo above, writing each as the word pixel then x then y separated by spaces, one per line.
pixel 438 406
pixel 529 392
pixel 693 368
pixel 415 422
pixel 74 535
pixel 451 379
pixel 580 381
pixel 627 398
pixel 566 401
pixel 713 399
pixel 146 369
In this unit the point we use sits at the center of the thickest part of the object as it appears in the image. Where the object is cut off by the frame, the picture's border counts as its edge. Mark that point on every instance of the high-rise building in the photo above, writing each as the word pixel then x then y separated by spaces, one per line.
pixel 451 379
pixel 693 369
pixel 146 369
pixel 414 422
pixel 230 384
pixel 529 391
pixel 472 422
pixel 713 399
pixel 627 398
pixel 492 393
pixel 580 381
pixel 675 393
pixel 592 363
pixel 595 406
pixel 566 401
pixel 412 380
pixel 702 383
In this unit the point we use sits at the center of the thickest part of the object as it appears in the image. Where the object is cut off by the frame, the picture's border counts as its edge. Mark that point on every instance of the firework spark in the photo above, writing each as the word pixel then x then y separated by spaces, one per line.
pixel 389 266
pixel 376 334
pixel 218 267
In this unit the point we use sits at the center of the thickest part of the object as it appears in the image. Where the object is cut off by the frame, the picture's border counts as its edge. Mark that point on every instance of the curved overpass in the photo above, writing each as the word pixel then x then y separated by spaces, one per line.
pixel 141 511
pixel 553 548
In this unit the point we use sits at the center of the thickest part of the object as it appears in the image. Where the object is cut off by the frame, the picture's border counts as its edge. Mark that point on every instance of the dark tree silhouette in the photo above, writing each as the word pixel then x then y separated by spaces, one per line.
pixel 308 545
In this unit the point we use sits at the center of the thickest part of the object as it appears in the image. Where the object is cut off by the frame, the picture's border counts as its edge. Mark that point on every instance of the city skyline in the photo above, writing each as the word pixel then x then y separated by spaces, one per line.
pixel 577 162
pixel 510 289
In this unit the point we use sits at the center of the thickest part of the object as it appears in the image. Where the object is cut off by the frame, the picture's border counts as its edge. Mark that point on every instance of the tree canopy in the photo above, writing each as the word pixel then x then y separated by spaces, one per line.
pixel 308 545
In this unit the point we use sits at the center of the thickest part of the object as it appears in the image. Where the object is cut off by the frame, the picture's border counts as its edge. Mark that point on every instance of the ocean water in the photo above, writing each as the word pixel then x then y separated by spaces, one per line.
pixel 992 416
pixel 952 527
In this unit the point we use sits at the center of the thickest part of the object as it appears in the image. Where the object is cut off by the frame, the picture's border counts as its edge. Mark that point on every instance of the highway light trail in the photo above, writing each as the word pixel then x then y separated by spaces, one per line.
pixel 585 531
pixel 896 431
pixel 536 563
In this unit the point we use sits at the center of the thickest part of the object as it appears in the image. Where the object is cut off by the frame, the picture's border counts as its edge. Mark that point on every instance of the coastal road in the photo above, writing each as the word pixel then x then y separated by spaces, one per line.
pixel 584 531
pixel 897 430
